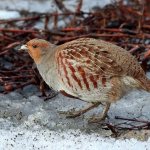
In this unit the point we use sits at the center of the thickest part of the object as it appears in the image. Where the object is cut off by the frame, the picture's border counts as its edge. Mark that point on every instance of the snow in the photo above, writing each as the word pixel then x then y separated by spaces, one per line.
pixel 48 5
pixel 18 138
pixel 8 14
pixel 28 5
pixel 10 8
pixel 88 4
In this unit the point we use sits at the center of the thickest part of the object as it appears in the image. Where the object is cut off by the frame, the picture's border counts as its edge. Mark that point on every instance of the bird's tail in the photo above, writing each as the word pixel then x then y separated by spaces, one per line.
pixel 145 84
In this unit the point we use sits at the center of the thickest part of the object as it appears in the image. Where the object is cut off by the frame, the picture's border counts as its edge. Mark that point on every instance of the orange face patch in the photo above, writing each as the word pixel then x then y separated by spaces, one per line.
pixel 35 54
pixel 35 48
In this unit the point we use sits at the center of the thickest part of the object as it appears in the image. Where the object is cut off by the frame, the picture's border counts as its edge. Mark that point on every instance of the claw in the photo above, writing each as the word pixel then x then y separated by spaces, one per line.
pixel 71 114
pixel 97 119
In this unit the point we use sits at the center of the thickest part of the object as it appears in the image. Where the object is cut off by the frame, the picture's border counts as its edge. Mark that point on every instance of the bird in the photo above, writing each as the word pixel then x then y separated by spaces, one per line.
pixel 93 70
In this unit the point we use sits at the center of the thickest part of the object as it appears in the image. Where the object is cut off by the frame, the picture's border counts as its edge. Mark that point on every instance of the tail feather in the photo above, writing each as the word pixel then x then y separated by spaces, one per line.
pixel 145 84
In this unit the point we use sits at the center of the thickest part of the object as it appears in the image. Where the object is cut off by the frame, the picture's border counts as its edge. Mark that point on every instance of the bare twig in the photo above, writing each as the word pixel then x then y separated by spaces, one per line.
pixel 61 6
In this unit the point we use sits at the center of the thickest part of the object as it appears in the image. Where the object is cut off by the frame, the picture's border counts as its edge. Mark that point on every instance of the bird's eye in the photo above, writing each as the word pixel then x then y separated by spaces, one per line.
pixel 34 46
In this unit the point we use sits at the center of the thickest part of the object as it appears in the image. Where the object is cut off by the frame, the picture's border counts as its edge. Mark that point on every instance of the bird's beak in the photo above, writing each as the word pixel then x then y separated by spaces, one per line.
pixel 24 48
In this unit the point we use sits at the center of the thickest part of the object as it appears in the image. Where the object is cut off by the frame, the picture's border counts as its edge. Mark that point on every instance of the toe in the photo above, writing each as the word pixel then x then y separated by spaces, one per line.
pixel 95 120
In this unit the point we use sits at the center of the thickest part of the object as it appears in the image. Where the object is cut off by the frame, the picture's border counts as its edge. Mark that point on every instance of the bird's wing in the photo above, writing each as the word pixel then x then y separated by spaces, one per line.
pixel 88 58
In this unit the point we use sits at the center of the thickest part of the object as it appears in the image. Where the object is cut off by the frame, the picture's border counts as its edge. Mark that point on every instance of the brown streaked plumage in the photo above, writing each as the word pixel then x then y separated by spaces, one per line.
pixel 92 70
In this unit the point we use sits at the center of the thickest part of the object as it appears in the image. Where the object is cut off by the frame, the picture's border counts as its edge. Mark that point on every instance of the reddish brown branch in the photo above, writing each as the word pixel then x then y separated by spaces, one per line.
pixel 19 19
pixel 17 77
pixel 11 45
pixel 129 119
pixel 78 9
pixel 61 6
pixel 17 30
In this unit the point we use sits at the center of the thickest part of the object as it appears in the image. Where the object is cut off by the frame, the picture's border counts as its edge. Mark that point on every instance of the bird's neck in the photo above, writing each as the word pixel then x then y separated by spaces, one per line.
pixel 47 68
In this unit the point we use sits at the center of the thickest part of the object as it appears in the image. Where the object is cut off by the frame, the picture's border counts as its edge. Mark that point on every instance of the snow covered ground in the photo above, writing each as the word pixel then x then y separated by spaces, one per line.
pixel 27 122
pixel 18 139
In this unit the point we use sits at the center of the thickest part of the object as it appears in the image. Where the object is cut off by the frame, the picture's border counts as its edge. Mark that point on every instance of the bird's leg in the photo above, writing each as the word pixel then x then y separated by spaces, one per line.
pixel 73 114
pixel 44 94
pixel 102 115
pixel 42 88
pixel 51 95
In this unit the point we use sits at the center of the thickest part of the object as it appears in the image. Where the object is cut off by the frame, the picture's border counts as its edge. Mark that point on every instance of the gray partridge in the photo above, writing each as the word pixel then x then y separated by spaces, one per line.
pixel 94 71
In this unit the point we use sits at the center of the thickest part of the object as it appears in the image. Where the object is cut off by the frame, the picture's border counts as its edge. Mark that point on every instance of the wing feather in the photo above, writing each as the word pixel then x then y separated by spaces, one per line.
pixel 94 59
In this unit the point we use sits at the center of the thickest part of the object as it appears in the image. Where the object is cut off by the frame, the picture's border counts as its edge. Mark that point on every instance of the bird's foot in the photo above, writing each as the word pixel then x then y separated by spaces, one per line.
pixel 97 119
pixel 71 113
pixel 50 96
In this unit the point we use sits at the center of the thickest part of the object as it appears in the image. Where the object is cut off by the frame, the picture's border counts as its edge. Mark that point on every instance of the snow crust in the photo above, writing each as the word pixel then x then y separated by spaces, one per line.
pixel 18 138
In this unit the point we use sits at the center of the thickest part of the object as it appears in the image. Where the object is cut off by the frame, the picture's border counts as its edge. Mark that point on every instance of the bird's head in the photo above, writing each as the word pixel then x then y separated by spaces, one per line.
pixel 37 48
